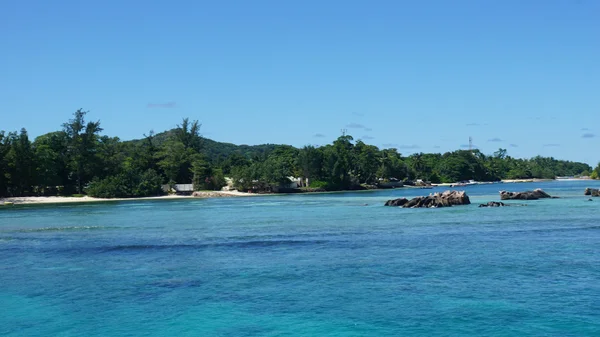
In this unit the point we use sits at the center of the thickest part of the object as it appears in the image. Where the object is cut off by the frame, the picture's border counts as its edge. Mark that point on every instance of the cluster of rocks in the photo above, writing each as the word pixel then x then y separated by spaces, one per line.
pixel 594 192
pixel 527 195
pixel 451 198
pixel 211 194
pixel 444 199
pixel 494 204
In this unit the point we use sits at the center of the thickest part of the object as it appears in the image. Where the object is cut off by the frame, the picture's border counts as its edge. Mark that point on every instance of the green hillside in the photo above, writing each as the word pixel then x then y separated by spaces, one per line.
pixel 216 152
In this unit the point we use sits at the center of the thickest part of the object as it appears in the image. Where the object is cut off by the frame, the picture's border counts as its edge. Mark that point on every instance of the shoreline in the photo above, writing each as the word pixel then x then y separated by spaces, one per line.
pixel 57 200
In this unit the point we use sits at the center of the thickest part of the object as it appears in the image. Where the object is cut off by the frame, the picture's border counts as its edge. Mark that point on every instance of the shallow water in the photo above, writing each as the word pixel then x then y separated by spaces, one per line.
pixel 311 265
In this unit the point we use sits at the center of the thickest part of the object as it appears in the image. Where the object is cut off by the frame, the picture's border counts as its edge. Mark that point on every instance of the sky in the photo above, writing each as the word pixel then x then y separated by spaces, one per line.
pixel 421 76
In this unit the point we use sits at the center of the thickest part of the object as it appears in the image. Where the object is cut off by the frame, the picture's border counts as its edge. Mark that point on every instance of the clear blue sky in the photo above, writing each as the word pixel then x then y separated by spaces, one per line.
pixel 417 75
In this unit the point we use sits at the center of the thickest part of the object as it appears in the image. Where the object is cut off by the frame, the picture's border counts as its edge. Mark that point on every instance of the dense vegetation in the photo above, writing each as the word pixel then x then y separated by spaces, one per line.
pixel 596 173
pixel 78 159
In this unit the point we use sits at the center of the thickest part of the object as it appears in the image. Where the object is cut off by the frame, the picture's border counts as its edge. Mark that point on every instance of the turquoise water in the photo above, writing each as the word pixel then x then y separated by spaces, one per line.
pixel 307 265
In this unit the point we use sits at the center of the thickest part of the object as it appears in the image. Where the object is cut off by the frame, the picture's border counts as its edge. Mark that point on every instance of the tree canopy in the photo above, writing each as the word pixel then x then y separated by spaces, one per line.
pixel 79 159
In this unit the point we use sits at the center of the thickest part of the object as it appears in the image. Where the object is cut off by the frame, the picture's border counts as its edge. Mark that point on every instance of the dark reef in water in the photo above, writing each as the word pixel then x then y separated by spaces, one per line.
pixel 445 199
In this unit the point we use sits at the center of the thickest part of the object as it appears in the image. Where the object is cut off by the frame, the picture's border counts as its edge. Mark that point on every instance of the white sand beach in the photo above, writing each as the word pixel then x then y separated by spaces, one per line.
pixel 66 200
pixel 535 180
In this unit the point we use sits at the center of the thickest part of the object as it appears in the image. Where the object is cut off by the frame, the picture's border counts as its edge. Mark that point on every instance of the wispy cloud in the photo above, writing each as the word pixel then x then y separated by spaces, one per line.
pixel 355 126
pixel 588 135
pixel 319 135
pixel 359 114
pixel 513 145
pixel 473 124
pixel 545 118
pixel 495 140
pixel 551 145
pixel 409 147
pixel 368 129
pixel 367 137
pixel 437 147
pixel 389 145
pixel 585 129
pixel 168 105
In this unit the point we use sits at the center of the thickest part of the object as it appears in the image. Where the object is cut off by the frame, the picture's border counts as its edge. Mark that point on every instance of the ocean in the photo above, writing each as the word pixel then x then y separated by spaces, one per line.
pixel 332 264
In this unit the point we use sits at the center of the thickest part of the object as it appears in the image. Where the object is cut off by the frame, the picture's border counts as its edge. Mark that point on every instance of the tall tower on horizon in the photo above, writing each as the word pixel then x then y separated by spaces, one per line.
pixel 470 143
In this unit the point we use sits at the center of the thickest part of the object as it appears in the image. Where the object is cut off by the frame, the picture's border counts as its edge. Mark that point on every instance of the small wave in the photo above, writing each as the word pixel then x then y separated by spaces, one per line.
pixel 176 283
pixel 271 243
pixel 143 247
pixel 283 237
pixel 237 244
pixel 559 229
pixel 61 229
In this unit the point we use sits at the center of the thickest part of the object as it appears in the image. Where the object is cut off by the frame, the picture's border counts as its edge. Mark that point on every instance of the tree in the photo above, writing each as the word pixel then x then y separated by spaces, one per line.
pixel 418 166
pixel 338 162
pixel 175 162
pixel 127 184
pixel 178 154
pixel 367 160
pixel 51 163
pixel 310 161
pixel 4 149
pixel 596 173
pixel 246 178
pixel 110 157
pixel 391 165
pixel 188 133
pixel 82 143
pixel 235 160
pixel 143 155
pixel 20 164
pixel 276 171
pixel 202 175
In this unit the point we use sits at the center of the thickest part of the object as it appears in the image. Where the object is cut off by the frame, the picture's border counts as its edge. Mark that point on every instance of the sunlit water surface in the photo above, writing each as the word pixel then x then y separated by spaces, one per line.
pixel 311 265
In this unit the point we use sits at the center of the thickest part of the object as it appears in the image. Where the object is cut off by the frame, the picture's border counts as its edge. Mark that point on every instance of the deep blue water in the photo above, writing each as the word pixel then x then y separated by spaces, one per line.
pixel 309 265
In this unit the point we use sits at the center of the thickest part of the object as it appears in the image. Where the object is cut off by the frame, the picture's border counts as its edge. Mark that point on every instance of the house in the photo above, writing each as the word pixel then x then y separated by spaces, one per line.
pixel 180 189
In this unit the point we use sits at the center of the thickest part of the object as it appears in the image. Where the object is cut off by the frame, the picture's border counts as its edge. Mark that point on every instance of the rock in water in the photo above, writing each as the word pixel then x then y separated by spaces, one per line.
pixel 594 192
pixel 493 204
pixel 396 202
pixel 445 199
pixel 527 195
pixel 455 197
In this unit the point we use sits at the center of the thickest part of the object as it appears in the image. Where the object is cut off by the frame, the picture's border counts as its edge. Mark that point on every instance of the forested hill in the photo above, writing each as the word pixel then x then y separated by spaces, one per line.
pixel 214 151
pixel 80 158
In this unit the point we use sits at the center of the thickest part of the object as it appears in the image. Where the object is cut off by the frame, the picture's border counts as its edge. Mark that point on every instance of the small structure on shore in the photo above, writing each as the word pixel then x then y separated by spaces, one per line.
pixel 389 183
pixel 179 189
